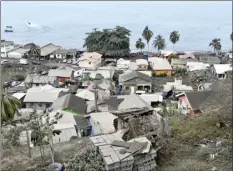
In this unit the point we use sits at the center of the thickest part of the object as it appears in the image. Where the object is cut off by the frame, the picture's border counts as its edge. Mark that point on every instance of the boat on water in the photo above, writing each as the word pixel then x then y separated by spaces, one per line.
pixel 8 29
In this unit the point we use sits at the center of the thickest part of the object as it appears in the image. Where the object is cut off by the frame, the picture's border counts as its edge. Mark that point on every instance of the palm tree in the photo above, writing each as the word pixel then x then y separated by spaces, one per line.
pixel 215 44
pixel 174 37
pixel 139 44
pixel 159 43
pixel 9 107
pixel 147 34
pixel 34 51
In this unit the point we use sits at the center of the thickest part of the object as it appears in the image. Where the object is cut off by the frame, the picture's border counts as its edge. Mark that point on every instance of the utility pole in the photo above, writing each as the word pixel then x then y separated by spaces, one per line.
pixel 28 144
pixel 96 98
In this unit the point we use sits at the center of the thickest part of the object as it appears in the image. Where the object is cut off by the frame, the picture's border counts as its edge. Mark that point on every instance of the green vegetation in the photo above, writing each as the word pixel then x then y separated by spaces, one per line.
pixel 147 34
pixel 216 44
pixel 71 111
pixel 9 107
pixel 140 44
pixel 109 42
pixel 174 37
pixel 159 43
pixel 34 51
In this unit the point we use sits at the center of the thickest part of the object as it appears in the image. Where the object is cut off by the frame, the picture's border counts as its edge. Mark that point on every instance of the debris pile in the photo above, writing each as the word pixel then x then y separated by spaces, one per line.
pixel 136 154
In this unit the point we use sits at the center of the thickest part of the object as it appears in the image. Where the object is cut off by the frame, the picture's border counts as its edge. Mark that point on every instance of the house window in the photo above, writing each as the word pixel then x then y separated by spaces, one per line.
pixel 37 84
pixel 39 104
pixel 140 87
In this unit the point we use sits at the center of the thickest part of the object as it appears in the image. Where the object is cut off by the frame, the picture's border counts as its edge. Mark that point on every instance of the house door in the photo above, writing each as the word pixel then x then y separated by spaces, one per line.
pixel 47 105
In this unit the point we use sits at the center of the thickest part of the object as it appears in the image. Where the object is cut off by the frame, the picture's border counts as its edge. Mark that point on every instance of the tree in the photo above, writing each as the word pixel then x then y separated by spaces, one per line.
pixel 9 107
pixel 174 37
pixel 159 42
pixel 109 42
pixel 147 34
pixel 216 44
pixel 140 44
pixel 34 51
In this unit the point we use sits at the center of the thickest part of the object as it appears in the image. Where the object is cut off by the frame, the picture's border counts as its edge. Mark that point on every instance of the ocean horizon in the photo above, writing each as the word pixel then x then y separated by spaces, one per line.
pixel 65 23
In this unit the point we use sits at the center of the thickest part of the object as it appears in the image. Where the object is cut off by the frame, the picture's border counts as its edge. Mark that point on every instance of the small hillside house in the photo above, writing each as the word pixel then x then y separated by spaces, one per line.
pixel 43 97
pixel 40 80
pixel 62 74
pixel 90 61
pixel 132 81
pixel 160 66
pixel 191 103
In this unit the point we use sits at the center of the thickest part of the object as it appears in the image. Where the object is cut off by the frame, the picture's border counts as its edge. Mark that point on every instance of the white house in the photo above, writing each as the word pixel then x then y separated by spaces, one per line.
pixel 142 64
pixel 18 53
pixel 43 97
pixel 102 123
pixel 90 60
pixel 177 86
pixel 123 64
pixel 6 46
pixel 63 53
pixel 67 131
pixel 219 70
pixel 193 66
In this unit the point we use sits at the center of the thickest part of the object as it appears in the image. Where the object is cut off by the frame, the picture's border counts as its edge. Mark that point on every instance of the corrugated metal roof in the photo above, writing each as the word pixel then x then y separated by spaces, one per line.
pixel 222 68
pixel 60 73
pixel 133 101
pixel 19 95
pixel 71 102
pixel 46 93
pixel 48 49
pixel 92 57
pixel 41 79
pixel 159 63
pixel 133 74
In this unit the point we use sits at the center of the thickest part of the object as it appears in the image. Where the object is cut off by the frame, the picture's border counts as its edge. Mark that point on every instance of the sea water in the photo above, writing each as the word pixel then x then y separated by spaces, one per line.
pixel 65 23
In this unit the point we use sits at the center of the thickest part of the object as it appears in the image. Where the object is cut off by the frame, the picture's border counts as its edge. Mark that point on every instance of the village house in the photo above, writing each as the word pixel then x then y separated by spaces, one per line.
pixel 219 70
pixel 123 64
pixel 194 66
pixel 43 97
pixel 79 121
pixel 110 61
pixel 20 97
pixel 18 53
pixel 133 81
pixel 105 104
pixel 41 80
pixel 142 64
pixel 211 60
pixel 89 95
pixel 181 63
pixel 63 54
pixel 90 61
pixel 47 50
pixel 70 102
pixel 101 123
pixel 160 66
pixel 6 46
pixel 187 55
pixel 62 74
pixel 191 103
pixel 106 72
pixel 177 86
pixel 132 101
